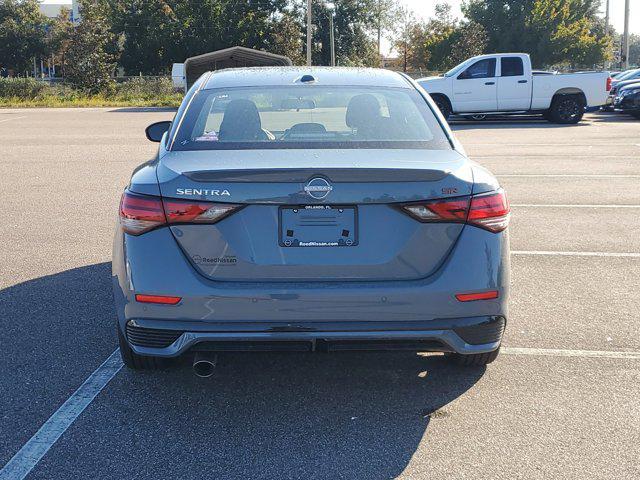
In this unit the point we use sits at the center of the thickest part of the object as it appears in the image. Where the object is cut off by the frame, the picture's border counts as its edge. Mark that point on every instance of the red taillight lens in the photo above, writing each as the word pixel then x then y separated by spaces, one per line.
pixel 471 297
pixel 188 211
pixel 489 211
pixel 608 84
pixel 140 213
pixel 161 299
pixel 454 210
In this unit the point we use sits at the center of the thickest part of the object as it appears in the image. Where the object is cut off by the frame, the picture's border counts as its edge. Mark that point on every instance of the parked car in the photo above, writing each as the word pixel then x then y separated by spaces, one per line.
pixel 322 209
pixel 628 99
pixel 613 93
pixel 505 84
pixel 631 74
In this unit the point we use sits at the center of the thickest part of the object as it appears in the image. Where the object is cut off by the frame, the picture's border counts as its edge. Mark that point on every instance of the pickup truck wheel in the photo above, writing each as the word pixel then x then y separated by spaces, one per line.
pixel 566 109
pixel 134 361
pixel 474 359
pixel 443 105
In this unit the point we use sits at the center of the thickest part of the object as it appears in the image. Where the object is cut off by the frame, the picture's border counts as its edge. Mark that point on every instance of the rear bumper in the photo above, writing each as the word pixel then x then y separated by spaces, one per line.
pixel 461 335
pixel 422 315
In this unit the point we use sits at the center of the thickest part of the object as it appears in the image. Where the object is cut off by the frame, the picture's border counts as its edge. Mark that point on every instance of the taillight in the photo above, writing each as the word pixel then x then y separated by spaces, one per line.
pixel 141 213
pixel 608 84
pixel 188 211
pixel 489 210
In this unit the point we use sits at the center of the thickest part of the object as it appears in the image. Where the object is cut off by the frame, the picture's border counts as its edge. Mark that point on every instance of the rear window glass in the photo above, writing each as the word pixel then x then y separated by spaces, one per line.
pixel 309 116
pixel 511 67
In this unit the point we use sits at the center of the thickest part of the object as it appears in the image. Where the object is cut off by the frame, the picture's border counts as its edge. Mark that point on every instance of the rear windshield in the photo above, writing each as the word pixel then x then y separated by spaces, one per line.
pixel 309 116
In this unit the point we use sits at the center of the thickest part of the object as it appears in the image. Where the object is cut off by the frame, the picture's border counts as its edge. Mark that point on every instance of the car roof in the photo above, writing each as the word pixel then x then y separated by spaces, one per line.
pixel 630 84
pixel 281 76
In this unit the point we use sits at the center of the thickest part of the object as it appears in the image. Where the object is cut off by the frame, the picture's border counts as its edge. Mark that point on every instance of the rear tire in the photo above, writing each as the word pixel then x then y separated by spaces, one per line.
pixel 474 359
pixel 134 361
pixel 443 105
pixel 566 109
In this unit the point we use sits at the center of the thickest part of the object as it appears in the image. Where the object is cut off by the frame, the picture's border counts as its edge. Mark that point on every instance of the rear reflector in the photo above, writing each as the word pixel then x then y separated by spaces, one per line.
pixel 161 299
pixel 141 213
pixel 488 210
pixel 470 297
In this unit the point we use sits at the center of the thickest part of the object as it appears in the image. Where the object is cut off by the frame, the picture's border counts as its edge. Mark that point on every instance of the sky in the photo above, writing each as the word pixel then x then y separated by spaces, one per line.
pixel 424 9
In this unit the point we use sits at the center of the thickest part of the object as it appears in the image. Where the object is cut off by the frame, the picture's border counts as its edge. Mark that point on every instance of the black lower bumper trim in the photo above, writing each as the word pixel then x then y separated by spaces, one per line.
pixel 489 331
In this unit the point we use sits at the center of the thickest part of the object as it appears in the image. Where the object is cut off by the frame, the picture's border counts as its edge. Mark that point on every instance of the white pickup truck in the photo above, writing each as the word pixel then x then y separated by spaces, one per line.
pixel 504 83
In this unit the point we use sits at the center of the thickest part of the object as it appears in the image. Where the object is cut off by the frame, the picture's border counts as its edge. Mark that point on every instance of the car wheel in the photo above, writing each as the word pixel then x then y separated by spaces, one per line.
pixel 566 109
pixel 134 361
pixel 474 359
pixel 443 105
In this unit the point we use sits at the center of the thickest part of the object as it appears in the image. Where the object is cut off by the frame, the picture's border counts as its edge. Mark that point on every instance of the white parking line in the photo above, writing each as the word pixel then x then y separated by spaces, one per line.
pixel 9 119
pixel 575 254
pixel 31 452
pixel 564 175
pixel 570 353
pixel 539 205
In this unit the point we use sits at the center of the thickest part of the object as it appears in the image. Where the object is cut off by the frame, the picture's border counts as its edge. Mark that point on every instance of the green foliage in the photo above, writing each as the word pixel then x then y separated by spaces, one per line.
pixel 554 32
pixel 22 34
pixel 29 92
pixel 441 42
pixel 141 88
pixel 23 88
pixel 90 59
pixel 59 38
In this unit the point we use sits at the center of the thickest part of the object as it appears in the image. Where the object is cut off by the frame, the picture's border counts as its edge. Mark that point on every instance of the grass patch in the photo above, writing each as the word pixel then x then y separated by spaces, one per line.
pixel 138 92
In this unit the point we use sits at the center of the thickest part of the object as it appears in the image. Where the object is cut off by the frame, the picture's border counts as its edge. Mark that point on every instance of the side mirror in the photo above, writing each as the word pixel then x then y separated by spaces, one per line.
pixel 155 131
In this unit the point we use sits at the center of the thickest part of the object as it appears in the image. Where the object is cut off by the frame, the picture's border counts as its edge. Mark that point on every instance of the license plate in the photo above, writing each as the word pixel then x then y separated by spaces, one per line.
pixel 318 226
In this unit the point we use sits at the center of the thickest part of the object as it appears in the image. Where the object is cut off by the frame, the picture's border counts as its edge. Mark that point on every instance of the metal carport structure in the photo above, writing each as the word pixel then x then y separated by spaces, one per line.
pixel 232 57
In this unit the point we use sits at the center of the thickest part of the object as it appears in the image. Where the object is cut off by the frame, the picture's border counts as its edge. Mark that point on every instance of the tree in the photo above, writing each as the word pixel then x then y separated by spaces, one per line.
pixel 353 22
pixel 59 38
pixel 22 34
pixel 287 38
pixel 92 53
pixel 554 32
pixel 439 43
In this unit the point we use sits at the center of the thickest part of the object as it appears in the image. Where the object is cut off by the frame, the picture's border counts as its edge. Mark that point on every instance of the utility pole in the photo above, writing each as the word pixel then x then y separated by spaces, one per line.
pixel 332 40
pixel 606 27
pixel 309 32
pixel 625 39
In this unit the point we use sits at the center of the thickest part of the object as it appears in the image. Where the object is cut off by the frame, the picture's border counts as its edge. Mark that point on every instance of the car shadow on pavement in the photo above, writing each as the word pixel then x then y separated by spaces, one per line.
pixel 267 415
pixel 142 109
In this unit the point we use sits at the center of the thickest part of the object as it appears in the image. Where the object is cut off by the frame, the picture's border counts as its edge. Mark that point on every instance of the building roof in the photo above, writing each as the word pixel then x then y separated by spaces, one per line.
pixel 249 77
pixel 232 57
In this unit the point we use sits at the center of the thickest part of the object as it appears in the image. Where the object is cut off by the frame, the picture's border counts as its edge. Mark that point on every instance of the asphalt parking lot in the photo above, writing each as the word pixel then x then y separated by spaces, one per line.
pixel 562 401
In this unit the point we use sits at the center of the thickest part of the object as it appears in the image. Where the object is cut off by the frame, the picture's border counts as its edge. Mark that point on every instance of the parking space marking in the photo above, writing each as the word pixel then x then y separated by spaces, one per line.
pixel 538 205
pixel 570 353
pixel 32 452
pixel 9 119
pixel 564 175
pixel 575 254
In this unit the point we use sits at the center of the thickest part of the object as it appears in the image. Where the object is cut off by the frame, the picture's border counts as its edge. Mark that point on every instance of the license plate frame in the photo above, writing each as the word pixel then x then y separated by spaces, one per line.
pixel 294 227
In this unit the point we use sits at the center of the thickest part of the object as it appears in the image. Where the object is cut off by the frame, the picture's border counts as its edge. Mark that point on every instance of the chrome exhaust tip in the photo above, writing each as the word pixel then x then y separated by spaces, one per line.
pixel 204 364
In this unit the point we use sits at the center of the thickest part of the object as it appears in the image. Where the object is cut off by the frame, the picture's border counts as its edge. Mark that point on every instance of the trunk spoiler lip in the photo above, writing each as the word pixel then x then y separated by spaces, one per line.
pixel 302 175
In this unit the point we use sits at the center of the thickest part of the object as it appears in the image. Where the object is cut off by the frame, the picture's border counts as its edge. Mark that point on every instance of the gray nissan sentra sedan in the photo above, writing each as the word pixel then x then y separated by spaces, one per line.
pixel 309 209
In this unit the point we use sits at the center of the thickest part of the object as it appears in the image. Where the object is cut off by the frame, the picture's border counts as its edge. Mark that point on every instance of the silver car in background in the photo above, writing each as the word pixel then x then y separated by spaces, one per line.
pixel 309 209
